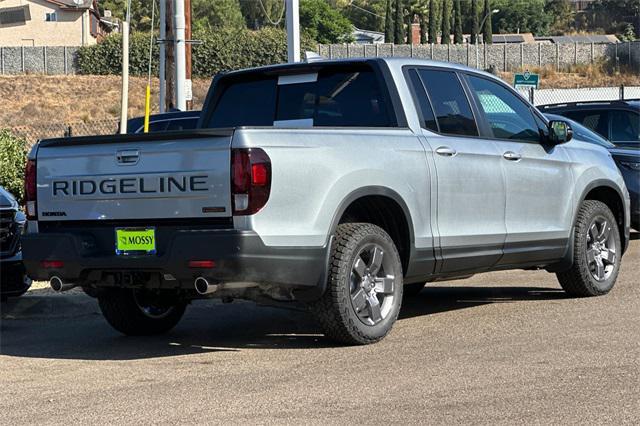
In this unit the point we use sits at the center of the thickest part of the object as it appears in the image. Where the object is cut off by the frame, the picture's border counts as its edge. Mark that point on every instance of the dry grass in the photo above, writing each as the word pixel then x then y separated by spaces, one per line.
pixel 37 99
pixel 592 75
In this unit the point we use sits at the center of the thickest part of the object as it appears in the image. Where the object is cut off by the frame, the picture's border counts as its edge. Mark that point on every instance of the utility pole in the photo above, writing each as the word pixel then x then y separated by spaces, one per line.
pixel 124 96
pixel 179 51
pixel 163 54
pixel 170 61
pixel 293 30
pixel 187 19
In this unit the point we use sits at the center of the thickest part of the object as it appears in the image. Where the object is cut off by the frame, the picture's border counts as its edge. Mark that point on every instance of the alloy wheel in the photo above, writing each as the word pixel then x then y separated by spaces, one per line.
pixel 372 284
pixel 601 249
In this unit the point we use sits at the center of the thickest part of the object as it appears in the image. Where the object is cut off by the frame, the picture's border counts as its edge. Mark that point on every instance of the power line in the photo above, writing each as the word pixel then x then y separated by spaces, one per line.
pixel 365 10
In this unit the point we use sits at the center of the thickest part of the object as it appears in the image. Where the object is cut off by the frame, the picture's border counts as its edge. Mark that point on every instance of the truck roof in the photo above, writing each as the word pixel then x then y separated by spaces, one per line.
pixel 396 62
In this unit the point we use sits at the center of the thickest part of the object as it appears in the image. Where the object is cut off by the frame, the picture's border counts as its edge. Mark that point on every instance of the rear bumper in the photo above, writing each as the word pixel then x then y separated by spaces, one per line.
pixel 239 256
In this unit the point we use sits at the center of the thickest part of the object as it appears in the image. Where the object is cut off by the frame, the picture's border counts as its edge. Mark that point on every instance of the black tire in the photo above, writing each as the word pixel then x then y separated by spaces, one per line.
pixel 122 310
pixel 579 280
pixel 413 289
pixel 335 310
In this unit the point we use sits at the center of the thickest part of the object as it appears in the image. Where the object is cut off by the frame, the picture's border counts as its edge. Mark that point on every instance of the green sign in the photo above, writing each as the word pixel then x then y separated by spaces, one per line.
pixel 142 240
pixel 526 79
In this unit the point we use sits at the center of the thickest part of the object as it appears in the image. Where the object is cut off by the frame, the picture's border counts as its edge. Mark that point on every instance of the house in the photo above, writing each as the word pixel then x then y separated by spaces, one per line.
pixel 367 37
pixel 50 23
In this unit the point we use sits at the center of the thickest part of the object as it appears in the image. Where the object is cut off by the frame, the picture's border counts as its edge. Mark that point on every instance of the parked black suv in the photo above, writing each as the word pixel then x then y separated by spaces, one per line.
pixel 13 281
pixel 617 121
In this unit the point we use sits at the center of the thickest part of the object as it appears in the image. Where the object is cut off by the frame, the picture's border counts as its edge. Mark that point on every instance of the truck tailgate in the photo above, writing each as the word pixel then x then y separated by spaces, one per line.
pixel 149 176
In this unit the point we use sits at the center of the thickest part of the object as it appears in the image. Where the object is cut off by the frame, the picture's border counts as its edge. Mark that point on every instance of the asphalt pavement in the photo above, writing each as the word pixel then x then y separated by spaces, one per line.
pixel 499 348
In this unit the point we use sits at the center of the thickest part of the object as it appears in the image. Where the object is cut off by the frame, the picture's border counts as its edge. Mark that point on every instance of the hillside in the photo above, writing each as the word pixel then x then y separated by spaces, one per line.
pixel 37 100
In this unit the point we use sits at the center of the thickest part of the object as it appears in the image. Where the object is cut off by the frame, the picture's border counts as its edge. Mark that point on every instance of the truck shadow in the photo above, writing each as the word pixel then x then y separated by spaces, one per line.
pixel 212 327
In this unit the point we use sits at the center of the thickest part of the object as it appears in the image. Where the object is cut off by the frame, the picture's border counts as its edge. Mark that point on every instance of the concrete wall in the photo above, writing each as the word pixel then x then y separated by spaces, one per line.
pixel 504 57
pixel 68 30
pixel 38 60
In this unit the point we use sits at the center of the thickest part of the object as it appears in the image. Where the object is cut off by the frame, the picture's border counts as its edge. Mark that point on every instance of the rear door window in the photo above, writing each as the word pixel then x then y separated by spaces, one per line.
pixel 449 102
pixel 427 116
pixel 598 121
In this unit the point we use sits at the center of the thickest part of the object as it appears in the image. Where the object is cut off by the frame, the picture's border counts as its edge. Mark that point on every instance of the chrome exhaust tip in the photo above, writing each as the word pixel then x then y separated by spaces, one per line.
pixel 59 286
pixel 203 286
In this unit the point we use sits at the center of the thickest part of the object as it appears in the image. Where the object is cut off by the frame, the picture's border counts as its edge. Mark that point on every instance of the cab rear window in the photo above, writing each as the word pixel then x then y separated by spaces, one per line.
pixel 330 97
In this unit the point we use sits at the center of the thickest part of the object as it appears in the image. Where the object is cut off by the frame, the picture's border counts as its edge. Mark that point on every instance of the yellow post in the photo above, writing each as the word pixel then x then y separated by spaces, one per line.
pixel 147 107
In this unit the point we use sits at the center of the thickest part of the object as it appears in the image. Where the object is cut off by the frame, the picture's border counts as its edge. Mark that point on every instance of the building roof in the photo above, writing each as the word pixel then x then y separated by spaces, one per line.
pixel 72 4
pixel 513 38
pixel 581 38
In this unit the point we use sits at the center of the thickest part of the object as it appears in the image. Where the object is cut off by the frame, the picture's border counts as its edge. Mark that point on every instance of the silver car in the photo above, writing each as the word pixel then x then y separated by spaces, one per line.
pixel 336 185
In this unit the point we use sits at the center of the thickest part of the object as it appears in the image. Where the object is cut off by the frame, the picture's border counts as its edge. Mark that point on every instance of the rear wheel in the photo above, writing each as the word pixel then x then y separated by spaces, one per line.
pixel 364 292
pixel 596 252
pixel 141 312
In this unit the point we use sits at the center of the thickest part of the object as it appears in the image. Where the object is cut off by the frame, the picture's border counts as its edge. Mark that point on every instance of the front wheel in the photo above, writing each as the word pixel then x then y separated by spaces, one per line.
pixel 364 293
pixel 140 312
pixel 596 252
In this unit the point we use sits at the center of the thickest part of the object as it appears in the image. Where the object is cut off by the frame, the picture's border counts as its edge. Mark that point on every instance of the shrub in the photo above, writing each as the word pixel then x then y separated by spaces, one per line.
pixel 222 49
pixel 106 57
pixel 13 156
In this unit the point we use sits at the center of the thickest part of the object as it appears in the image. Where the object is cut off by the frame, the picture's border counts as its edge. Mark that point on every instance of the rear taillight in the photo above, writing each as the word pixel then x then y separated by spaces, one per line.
pixel 250 180
pixel 30 189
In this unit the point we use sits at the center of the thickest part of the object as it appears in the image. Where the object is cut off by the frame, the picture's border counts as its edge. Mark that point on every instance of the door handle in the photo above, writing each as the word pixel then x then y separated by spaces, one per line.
pixel 446 151
pixel 512 156
pixel 128 157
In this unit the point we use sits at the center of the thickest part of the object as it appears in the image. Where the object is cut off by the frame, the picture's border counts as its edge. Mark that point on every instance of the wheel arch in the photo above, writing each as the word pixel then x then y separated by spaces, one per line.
pixel 611 195
pixel 400 228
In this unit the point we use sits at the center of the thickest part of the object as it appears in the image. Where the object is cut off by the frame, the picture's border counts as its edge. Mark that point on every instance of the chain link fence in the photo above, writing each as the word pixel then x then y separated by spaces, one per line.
pixel 34 132
pixel 584 94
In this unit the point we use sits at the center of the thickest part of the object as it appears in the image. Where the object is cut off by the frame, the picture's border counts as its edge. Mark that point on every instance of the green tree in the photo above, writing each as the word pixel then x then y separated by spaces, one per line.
pixel 445 36
pixel 373 17
pixel 433 30
pixel 562 15
pixel 324 23
pixel 13 156
pixel 423 29
pixel 457 25
pixel 389 35
pixel 140 19
pixel 475 24
pixel 523 17
pixel 487 31
pixel 399 24
pixel 208 14
pixel 264 13
pixel 409 28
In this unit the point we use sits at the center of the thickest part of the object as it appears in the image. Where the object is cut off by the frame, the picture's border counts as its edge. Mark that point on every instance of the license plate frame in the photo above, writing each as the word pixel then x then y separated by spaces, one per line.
pixel 132 248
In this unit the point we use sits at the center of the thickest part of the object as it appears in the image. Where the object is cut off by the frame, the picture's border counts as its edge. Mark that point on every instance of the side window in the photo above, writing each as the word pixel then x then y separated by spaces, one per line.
pixel 508 116
pixel 624 126
pixel 449 101
pixel 594 120
pixel 426 112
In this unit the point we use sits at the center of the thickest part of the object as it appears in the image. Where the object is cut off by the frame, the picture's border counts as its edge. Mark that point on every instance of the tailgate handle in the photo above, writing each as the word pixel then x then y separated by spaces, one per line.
pixel 128 157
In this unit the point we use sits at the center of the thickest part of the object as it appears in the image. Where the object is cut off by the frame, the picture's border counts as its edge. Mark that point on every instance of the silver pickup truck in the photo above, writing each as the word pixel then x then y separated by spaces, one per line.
pixel 336 185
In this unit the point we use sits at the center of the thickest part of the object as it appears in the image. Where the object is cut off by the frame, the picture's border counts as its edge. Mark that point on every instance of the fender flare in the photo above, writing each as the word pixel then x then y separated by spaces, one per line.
pixel 372 191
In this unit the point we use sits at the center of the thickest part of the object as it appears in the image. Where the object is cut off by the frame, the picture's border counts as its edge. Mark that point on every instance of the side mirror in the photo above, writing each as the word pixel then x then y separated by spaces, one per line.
pixel 559 132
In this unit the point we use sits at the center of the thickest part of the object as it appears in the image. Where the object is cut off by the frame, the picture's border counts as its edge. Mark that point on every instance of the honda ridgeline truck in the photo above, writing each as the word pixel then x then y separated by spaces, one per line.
pixel 334 185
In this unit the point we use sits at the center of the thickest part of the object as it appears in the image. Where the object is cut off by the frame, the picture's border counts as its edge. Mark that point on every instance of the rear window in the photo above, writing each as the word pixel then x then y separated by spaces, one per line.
pixel 338 97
